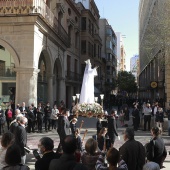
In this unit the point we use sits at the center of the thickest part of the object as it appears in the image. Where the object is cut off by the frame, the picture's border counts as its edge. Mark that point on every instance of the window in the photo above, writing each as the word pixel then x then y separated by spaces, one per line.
pixel 76 39
pixel 83 47
pixel 83 23
pixel 69 11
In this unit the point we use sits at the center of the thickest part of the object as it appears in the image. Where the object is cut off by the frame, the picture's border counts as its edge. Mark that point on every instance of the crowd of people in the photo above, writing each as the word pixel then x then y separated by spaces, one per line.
pixel 99 152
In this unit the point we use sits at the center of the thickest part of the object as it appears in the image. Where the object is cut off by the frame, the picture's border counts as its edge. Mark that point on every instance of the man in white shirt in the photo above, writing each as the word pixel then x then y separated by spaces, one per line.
pixel 147 116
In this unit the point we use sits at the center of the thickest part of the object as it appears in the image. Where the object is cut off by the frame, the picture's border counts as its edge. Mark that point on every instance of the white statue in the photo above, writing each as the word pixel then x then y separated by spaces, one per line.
pixel 87 89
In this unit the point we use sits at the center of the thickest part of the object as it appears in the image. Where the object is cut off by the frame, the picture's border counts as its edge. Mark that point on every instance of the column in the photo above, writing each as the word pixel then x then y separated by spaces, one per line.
pixel 62 89
pixel 26 85
pixel 50 89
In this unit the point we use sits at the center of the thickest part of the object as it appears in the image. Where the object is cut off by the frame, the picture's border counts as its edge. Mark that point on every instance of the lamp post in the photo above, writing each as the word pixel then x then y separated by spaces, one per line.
pixel 102 97
pixel 74 98
pixel 96 99
pixel 78 96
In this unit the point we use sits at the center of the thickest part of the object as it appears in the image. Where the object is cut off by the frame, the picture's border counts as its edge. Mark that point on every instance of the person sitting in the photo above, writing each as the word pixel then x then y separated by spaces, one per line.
pixel 67 161
pixel 6 141
pixel 45 146
pixel 13 159
pixel 113 158
pixel 91 155
pixel 101 138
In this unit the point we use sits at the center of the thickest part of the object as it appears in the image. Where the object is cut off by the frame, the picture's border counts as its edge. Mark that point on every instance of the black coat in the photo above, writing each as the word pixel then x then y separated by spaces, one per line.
pixel 156 150
pixel 44 162
pixel 39 113
pixel 31 116
pixel 47 111
pixel 66 162
pixel 133 153
pixel 21 138
pixel 112 132
pixel 2 117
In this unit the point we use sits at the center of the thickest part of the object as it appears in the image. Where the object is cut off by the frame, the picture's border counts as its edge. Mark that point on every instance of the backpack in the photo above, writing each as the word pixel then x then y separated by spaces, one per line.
pixel 9 114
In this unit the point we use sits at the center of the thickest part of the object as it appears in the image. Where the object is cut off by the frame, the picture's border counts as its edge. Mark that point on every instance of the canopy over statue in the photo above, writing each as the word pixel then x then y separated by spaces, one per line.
pixel 87 89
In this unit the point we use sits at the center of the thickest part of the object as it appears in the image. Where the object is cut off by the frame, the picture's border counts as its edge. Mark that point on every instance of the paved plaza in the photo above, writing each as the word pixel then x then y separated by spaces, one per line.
pixel 90 124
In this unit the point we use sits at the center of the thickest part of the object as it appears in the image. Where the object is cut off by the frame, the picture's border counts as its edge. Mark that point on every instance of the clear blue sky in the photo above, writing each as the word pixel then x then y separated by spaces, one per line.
pixel 122 15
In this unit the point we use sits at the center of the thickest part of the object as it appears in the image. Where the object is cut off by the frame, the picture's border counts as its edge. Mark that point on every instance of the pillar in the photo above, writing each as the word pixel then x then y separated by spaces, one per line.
pixel 62 89
pixel 26 85
pixel 50 89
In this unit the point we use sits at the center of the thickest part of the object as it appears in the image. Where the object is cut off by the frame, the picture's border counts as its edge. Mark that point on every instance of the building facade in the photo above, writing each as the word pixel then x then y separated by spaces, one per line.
pixel 43 46
pixel 154 50
pixel 121 54
pixel 134 65
pixel 109 48
pixel 35 41
pixel 91 43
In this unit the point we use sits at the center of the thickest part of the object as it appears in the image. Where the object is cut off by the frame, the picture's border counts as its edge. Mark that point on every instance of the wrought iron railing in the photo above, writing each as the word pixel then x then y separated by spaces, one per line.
pixel 72 76
pixel 23 7
pixel 7 72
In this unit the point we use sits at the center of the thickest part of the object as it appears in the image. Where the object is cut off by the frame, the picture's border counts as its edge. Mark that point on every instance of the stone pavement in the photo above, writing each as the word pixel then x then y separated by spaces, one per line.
pixel 90 124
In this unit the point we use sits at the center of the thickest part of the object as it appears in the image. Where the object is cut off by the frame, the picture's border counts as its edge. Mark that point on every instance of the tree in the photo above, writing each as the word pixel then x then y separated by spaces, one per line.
pixel 126 82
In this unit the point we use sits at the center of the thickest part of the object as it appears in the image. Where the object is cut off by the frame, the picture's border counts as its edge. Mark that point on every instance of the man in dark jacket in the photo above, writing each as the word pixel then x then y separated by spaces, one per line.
pixel 112 132
pixel 45 147
pixel 136 118
pixel 39 116
pixel 2 119
pixel 47 115
pixel 31 119
pixel 21 138
pixel 132 151
pixel 67 161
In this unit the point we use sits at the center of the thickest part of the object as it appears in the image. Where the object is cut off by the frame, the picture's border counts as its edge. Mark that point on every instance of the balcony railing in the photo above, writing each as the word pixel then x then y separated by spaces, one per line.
pixel 7 72
pixel 72 76
pixel 39 7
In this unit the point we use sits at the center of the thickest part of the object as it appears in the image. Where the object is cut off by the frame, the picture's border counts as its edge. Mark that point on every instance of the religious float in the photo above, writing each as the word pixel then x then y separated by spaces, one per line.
pixel 87 106
pixel 88 109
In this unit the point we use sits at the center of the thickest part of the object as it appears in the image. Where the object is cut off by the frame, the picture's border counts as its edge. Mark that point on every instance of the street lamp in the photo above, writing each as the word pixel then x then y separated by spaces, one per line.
pixel 102 97
pixel 96 99
pixel 74 98
pixel 78 96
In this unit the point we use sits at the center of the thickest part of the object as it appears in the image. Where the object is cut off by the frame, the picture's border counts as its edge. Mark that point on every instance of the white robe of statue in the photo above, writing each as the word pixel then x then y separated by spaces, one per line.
pixel 87 89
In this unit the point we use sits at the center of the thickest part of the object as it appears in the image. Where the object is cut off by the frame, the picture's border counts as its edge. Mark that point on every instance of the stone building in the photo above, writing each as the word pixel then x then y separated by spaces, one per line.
pixel 109 46
pixel 121 53
pixel 39 40
pixel 154 51
pixel 43 46
pixel 91 43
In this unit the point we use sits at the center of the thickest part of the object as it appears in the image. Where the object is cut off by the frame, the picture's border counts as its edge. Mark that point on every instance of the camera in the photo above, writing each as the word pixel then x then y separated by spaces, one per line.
pixel 28 150
pixel 36 154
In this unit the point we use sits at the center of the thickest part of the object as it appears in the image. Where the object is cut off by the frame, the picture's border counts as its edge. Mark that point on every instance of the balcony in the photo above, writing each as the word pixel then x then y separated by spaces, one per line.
pixel 7 72
pixel 34 7
pixel 72 76
pixel 97 38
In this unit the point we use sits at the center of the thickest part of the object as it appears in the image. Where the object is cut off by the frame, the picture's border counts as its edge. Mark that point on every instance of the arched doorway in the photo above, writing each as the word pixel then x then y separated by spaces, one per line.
pixel 7 76
pixel 57 72
pixel 42 80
